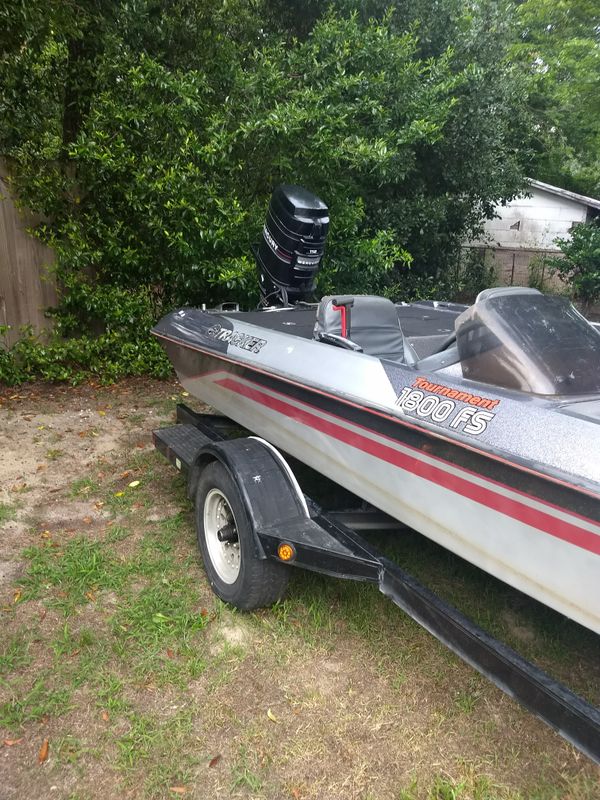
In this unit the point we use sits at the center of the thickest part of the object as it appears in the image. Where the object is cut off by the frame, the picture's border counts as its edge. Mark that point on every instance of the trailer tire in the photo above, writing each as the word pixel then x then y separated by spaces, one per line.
pixel 235 573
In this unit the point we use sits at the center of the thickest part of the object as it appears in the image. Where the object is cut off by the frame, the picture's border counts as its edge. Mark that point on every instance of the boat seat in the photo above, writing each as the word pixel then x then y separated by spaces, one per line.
pixel 366 323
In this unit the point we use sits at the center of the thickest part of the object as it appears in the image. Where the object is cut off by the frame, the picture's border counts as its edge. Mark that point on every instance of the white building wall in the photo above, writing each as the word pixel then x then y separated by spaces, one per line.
pixel 533 222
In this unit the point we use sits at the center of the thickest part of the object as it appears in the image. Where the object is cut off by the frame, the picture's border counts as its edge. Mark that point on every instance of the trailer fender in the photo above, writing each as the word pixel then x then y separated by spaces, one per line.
pixel 266 483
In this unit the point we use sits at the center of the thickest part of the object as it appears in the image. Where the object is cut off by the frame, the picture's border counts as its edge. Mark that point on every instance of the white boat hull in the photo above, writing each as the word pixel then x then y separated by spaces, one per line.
pixel 478 519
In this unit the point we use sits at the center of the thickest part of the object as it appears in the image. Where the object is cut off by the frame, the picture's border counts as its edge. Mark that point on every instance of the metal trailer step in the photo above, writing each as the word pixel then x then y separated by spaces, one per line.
pixel 180 444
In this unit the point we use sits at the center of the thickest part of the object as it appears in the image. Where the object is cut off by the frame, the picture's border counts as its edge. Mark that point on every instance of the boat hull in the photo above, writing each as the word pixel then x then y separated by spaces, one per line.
pixel 523 530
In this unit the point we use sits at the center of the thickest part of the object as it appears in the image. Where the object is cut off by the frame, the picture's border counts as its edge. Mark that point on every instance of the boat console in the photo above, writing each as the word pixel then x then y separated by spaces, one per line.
pixel 518 338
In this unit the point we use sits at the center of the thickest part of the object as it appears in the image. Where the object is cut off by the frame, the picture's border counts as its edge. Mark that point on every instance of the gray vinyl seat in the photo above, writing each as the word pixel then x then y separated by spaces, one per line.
pixel 373 326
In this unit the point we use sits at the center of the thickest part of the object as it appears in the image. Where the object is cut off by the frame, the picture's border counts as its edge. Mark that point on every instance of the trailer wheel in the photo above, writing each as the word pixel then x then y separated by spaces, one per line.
pixel 225 539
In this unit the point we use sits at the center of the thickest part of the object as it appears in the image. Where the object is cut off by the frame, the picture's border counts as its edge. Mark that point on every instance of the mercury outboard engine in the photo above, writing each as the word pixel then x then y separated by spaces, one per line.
pixel 291 249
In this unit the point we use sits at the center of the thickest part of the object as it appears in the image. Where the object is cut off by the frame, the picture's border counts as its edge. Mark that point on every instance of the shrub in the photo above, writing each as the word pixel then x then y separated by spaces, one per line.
pixel 579 266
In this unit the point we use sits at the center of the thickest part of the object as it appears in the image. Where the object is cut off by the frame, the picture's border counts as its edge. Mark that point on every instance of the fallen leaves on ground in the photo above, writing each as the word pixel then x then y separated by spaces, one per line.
pixel 215 760
pixel 43 754
pixel 12 742
pixel 271 716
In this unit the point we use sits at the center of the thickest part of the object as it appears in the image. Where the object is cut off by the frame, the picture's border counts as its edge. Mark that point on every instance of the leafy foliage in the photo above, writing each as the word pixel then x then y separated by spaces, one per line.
pixel 579 267
pixel 559 47
pixel 154 164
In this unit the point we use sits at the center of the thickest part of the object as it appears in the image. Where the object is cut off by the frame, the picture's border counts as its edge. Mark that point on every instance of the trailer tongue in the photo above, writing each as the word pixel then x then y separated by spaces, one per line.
pixel 254 522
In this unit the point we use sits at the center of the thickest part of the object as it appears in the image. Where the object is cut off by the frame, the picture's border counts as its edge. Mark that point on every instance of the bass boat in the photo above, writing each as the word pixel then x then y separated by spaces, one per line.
pixel 478 426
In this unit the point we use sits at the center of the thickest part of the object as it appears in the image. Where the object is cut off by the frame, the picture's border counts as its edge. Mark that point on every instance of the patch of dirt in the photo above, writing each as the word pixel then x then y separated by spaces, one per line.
pixel 10 572
pixel 158 514
pixel 229 635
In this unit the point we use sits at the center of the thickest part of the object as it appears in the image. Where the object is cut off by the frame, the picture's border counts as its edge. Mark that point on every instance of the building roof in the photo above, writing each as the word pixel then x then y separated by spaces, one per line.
pixel 577 198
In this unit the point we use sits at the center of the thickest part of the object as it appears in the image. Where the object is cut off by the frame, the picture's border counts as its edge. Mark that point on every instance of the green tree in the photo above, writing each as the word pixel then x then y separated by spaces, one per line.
pixel 559 47
pixel 151 135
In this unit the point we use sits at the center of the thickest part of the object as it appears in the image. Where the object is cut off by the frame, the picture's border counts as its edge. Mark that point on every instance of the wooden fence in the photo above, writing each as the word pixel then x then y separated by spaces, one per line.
pixel 26 286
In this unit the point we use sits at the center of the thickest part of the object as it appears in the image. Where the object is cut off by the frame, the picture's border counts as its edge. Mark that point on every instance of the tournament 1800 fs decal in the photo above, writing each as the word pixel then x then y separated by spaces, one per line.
pixel 439 404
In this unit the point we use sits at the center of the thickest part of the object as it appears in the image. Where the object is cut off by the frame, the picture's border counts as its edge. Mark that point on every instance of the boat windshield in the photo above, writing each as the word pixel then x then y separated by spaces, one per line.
pixel 531 342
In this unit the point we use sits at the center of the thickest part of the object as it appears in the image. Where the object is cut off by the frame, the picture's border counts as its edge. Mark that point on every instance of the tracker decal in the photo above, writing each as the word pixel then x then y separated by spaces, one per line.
pixel 236 339
pixel 439 404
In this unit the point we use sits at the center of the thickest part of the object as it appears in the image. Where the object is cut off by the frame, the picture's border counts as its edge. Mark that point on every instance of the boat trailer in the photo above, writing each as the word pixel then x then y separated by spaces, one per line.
pixel 286 528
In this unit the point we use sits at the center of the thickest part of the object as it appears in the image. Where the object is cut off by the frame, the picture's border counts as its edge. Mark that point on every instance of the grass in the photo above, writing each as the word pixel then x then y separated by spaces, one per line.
pixel 15 652
pixel 54 453
pixel 159 749
pixel 471 787
pixel 156 635
pixel 244 774
pixel 84 487
pixel 8 512
pixel 41 700
pixel 110 693
pixel 68 641
pixel 63 664
pixel 159 612
pixel 158 631
pixel 474 786
pixel 465 701
pixel 166 406
pixel 117 533
pixel 77 572
pixel 69 749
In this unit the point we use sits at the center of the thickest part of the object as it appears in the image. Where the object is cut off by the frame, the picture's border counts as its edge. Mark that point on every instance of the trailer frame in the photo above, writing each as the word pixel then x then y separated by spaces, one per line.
pixel 330 543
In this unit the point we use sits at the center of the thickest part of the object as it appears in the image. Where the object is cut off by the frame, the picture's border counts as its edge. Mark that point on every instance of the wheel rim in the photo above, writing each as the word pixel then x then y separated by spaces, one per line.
pixel 225 556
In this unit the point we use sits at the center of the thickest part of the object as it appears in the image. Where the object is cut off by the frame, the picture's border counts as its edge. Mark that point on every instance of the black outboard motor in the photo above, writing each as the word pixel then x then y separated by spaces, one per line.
pixel 291 249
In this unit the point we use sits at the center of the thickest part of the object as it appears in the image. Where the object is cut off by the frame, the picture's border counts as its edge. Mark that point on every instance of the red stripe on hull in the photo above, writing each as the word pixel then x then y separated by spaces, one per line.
pixel 510 507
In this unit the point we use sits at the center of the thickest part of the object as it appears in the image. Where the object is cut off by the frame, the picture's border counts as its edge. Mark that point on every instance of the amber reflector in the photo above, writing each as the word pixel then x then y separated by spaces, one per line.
pixel 286 551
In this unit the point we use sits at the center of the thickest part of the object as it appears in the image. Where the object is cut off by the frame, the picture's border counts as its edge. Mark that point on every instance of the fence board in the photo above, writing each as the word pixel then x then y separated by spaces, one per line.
pixel 26 289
